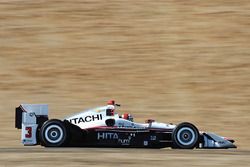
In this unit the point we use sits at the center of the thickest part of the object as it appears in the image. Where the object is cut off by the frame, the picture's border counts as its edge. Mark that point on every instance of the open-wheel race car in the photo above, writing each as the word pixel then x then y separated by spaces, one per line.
pixel 102 127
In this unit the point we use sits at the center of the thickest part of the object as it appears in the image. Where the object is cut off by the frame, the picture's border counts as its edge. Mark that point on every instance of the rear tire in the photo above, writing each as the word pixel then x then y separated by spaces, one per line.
pixel 53 133
pixel 185 136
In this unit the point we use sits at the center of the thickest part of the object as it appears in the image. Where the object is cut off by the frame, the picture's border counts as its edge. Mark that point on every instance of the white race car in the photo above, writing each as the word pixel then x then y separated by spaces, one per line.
pixel 101 127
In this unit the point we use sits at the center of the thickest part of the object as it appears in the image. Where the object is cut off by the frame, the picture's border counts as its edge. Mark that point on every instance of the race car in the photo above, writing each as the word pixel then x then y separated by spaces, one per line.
pixel 103 127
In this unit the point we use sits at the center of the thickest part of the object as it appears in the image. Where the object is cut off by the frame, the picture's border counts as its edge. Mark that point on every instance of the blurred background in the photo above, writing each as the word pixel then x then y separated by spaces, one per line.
pixel 172 61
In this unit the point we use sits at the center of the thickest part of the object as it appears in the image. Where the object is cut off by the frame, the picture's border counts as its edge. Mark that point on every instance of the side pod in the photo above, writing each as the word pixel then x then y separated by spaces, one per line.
pixel 214 141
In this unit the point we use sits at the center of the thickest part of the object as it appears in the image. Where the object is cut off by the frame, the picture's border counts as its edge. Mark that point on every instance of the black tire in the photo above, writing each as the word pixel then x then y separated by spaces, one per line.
pixel 53 133
pixel 185 136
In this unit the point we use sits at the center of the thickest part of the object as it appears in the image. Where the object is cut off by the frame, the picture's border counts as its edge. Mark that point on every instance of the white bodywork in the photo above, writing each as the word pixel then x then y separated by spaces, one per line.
pixel 95 118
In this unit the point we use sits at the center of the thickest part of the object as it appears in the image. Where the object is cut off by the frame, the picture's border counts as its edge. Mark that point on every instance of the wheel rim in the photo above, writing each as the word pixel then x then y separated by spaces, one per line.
pixel 186 136
pixel 54 134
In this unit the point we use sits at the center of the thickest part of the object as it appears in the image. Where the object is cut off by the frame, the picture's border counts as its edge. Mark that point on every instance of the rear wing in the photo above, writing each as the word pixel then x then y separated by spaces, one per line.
pixel 29 118
pixel 30 113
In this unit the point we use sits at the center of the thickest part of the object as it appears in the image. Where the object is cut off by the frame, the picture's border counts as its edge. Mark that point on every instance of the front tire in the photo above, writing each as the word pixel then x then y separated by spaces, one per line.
pixel 53 133
pixel 185 136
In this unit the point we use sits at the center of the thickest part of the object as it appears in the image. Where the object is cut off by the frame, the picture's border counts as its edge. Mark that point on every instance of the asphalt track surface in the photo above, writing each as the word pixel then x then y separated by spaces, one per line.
pixel 39 156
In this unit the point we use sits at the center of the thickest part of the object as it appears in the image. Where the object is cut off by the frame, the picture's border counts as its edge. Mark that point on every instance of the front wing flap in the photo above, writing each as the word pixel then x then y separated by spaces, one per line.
pixel 214 141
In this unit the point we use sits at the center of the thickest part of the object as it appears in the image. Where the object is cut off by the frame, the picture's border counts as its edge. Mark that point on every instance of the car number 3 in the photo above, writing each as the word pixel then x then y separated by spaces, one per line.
pixel 28 132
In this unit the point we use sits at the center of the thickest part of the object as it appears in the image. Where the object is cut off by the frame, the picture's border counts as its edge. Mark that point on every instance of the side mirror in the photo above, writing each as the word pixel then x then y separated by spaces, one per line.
pixel 110 122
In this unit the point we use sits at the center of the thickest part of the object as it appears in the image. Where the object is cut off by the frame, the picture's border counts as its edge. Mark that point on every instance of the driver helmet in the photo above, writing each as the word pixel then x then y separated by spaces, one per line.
pixel 111 102
pixel 127 116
